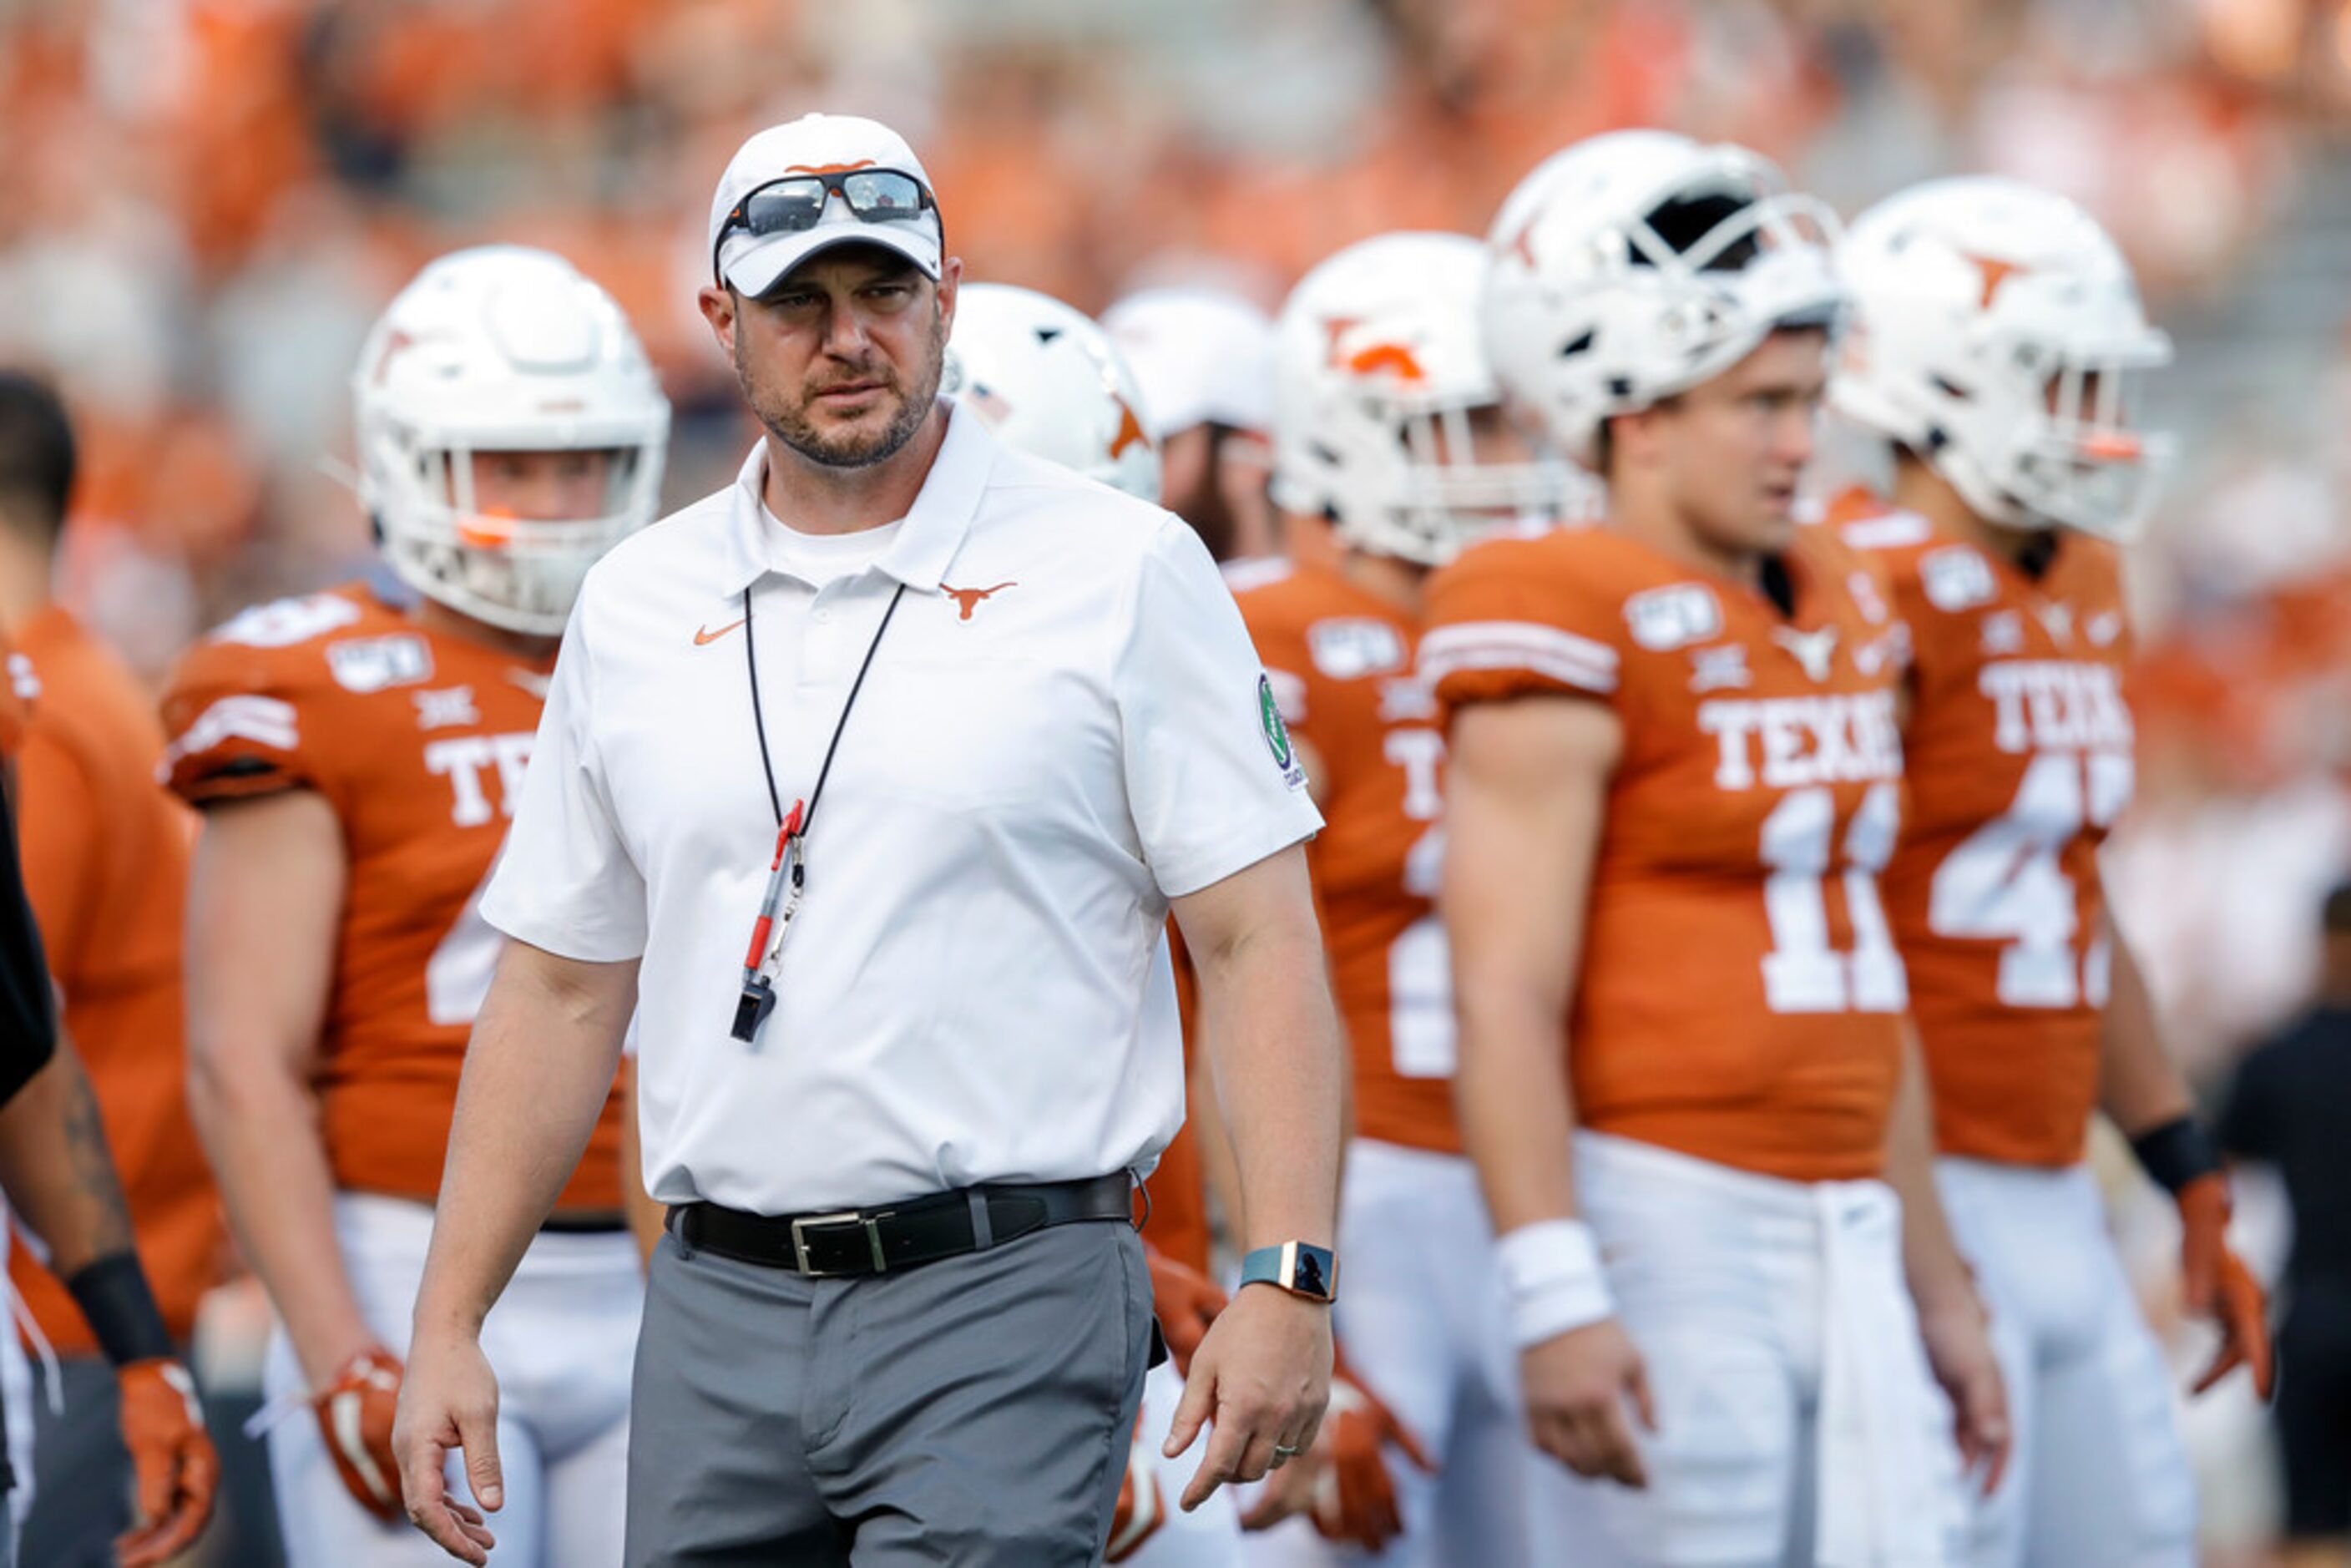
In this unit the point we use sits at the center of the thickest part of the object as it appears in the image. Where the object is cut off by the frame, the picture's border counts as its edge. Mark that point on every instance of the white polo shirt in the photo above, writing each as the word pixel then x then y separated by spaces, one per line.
pixel 1065 725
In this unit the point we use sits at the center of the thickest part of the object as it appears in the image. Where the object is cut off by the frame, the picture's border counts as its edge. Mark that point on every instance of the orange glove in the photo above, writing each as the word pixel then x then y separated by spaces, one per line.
pixel 1354 1496
pixel 2215 1284
pixel 171 1455
pixel 1141 1508
pixel 1185 1302
pixel 355 1414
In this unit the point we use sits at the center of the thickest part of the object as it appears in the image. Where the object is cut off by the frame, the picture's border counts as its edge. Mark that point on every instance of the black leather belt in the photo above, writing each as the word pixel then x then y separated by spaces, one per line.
pixel 891 1237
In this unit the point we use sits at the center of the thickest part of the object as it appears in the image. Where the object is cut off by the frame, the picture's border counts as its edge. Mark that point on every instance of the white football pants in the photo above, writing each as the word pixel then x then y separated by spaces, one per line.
pixel 1420 1315
pixel 1797 1426
pixel 562 1339
pixel 2099 1478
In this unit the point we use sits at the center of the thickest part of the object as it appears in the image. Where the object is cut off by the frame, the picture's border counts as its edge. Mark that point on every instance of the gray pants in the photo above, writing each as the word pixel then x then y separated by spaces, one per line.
pixel 975 1411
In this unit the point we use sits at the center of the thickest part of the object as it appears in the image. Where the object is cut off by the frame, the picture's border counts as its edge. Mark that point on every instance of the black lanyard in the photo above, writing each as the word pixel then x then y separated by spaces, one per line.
pixel 788 875
pixel 760 722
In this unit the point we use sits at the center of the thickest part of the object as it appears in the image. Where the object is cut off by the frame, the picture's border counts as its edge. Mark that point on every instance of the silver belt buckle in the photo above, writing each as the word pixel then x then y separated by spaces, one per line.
pixel 873 1227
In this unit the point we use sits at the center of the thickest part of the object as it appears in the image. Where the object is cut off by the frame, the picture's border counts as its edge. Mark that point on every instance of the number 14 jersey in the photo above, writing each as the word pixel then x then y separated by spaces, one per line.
pixel 2020 760
pixel 418 741
pixel 1739 992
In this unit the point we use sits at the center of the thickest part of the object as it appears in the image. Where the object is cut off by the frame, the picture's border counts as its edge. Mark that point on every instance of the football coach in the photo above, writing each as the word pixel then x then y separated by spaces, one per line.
pixel 867 785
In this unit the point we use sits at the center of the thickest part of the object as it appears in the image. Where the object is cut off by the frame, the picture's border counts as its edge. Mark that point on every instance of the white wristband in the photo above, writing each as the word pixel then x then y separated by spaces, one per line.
pixel 1551 1280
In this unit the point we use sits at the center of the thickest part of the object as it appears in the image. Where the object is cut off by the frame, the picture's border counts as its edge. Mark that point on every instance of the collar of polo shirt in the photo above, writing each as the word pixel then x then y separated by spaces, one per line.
pixel 925 547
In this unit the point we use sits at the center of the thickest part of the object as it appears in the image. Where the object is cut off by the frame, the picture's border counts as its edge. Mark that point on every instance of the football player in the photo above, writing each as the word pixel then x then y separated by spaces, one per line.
pixel 1388 427
pixel 1203 360
pixel 1997 341
pixel 1047 379
pixel 1674 774
pixel 106 860
pixel 355 754
pixel 58 1177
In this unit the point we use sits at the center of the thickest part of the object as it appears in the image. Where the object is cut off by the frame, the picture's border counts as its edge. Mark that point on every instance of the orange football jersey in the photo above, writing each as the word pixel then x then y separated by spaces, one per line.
pixel 1739 992
pixel 106 867
pixel 1341 661
pixel 419 741
pixel 2021 747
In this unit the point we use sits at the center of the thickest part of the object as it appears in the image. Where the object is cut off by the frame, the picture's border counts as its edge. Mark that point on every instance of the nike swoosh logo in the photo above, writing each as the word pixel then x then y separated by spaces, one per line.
pixel 704 634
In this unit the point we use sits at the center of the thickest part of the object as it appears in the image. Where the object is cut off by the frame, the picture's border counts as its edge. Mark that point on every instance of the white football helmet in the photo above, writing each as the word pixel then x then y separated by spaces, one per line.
pixel 1637 265
pixel 1201 355
pixel 1997 334
pixel 1377 369
pixel 502 349
pixel 1047 381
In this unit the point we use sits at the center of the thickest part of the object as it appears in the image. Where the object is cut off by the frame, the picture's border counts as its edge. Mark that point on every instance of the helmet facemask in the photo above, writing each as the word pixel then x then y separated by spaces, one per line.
pixel 1442 495
pixel 2077 458
pixel 518 573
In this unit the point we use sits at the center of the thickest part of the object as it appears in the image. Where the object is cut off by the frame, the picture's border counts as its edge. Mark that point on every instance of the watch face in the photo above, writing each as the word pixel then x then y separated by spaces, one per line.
pixel 1313 1275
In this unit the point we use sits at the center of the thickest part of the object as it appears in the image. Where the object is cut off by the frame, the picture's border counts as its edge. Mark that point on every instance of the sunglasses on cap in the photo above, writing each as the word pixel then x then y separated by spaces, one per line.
pixel 795 204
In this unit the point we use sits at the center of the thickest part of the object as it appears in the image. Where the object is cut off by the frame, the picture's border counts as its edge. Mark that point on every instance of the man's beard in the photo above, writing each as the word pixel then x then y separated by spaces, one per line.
pixel 793 427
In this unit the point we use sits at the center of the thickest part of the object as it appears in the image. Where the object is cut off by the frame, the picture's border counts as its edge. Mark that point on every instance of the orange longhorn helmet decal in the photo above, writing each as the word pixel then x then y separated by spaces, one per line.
pixel 1396 358
pixel 1129 430
pixel 1995 273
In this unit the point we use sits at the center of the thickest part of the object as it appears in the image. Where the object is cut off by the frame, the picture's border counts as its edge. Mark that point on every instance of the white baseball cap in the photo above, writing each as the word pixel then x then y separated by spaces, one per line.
pixel 1199 355
pixel 815 144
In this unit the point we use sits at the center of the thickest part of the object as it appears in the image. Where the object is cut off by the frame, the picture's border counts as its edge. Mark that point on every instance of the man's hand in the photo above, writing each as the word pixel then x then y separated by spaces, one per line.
pixel 354 1409
pixel 1185 1302
pixel 1261 1376
pixel 2214 1283
pixel 1353 1496
pixel 449 1399
pixel 171 1456
pixel 1959 1352
pixel 1577 1387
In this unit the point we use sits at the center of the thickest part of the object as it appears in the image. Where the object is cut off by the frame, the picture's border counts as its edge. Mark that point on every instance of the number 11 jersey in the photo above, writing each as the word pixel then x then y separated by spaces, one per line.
pixel 2020 760
pixel 1739 992
pixel 418 740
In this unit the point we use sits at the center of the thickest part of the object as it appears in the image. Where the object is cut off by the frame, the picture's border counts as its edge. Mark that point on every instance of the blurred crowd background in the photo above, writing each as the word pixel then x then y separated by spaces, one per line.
pixel 204 203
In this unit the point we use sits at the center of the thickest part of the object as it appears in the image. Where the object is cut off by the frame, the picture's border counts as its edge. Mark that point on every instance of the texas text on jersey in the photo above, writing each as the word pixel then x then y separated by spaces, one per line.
pixel 2020 760
pixel 1740 992
pixel 418 741
pixel 1341 662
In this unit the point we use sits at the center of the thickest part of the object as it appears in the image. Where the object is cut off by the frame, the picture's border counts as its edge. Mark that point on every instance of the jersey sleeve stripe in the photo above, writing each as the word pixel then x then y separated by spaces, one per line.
pixel 264 721
pixel 1544 651
pixel 1895 531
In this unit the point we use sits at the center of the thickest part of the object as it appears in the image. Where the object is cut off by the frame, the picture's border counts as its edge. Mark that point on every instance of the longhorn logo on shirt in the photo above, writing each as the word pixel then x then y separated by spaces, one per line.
pixel 1813 650
pixel 970 599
